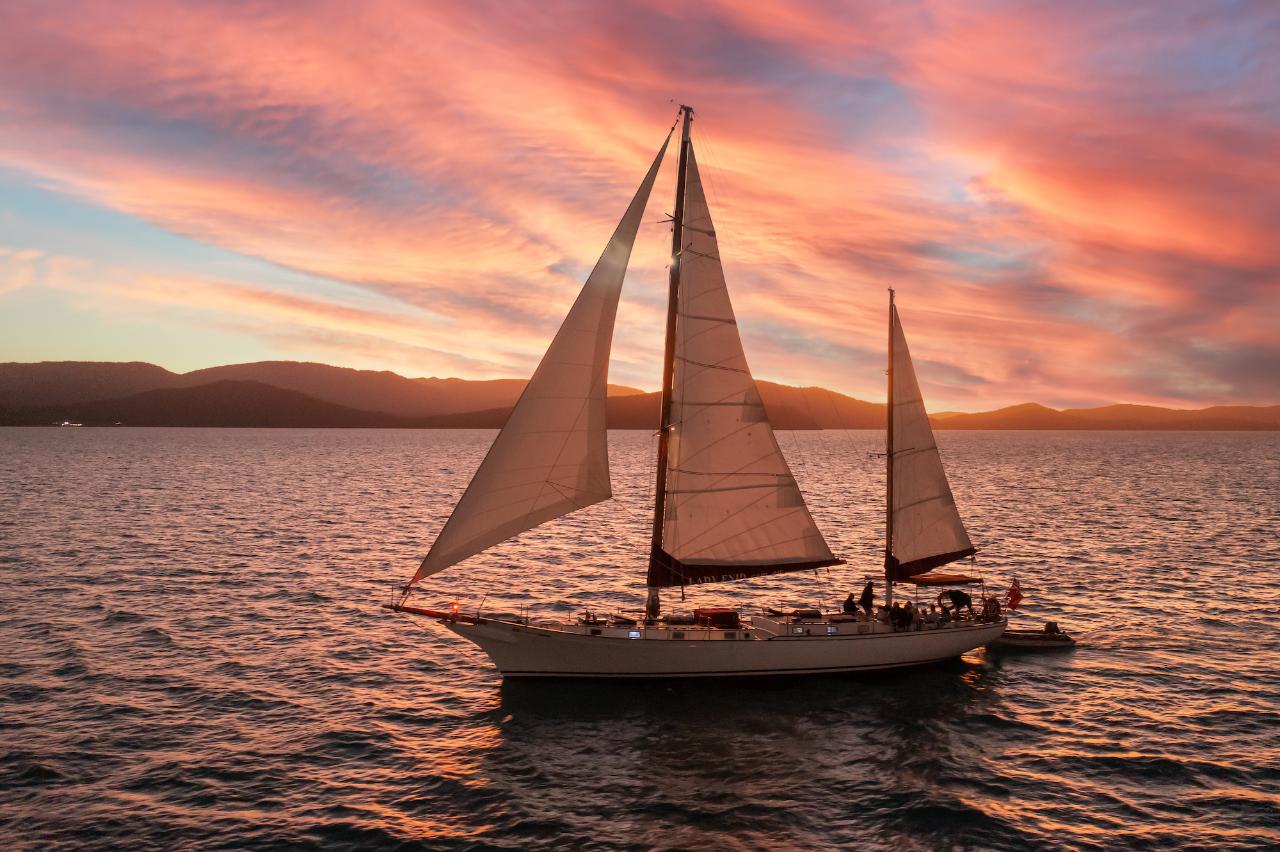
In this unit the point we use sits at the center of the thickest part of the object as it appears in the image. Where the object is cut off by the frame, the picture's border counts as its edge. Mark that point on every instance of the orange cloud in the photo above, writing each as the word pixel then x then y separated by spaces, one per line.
pixel 1060 205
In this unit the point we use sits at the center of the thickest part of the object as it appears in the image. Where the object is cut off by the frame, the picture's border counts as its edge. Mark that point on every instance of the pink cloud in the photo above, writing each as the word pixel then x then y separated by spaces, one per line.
pixel 1023 175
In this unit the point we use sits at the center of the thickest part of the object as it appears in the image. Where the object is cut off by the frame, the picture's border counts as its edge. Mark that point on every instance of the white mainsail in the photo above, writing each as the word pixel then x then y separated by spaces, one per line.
pixel 551 457
pixel 927 530
pixel 733 508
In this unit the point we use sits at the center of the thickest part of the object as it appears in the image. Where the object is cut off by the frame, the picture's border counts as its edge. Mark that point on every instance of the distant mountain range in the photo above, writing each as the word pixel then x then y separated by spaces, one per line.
pixel 288 393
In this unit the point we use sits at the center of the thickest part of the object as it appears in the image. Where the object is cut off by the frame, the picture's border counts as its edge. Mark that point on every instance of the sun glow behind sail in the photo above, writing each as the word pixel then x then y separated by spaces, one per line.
pixel 551 457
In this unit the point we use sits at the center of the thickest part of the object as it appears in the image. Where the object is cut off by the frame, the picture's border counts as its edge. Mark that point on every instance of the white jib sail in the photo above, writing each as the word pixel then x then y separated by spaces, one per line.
pixel 551 457
pixel 731 498
pixel 927 530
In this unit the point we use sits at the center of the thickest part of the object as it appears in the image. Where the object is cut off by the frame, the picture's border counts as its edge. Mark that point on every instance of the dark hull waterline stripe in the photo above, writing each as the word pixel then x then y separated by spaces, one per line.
pixel 728 672
pixel 549 632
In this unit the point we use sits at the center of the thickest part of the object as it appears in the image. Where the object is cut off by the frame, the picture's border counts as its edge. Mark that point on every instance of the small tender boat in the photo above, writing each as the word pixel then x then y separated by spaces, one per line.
pixel 1047 638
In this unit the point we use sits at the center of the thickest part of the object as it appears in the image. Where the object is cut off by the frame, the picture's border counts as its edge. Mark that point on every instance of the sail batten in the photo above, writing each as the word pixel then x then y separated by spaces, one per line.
pixel 732 507
pixel 551 456
pixel 927 528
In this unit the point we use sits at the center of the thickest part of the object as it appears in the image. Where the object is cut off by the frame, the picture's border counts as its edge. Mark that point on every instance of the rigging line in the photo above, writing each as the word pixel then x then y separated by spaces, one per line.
pixel 674 461
pixel 921 502
pixel 598 497
pixel 786 476
pixel 498 439
pixel 729 320
pixel 730 403
pixel 727 399
pixel 571 497
pixel 527 482
pixel 742 428
pixel 724 488
pixel 786 514
pixel 679 113
pixel 716 366
pixel 711 330
pixel 548 432
pixel 757 549
pixel 748 463
pixel 700 255
pixel 604 391
pixel 714 170
pixel 745 507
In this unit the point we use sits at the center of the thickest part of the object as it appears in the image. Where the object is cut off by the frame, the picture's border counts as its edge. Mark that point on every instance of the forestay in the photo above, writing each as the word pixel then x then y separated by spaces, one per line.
pixel 733 509
pixel 551 457
pixel 927 530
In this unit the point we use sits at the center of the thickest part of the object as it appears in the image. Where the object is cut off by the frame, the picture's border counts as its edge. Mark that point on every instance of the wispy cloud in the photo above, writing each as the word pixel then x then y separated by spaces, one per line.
pixel 1076 202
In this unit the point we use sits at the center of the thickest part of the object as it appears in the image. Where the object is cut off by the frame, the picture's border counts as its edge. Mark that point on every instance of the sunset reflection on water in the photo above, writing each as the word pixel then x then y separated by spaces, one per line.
pixel 196 650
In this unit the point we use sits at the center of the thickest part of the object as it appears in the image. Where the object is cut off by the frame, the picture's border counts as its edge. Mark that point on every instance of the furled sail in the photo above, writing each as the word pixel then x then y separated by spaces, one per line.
pixel 733 509
pixel 927 530
pixel 551 457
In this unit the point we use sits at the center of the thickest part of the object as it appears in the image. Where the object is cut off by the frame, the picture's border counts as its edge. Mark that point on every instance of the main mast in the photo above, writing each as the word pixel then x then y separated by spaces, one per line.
pixel 888 456
pixel 653 606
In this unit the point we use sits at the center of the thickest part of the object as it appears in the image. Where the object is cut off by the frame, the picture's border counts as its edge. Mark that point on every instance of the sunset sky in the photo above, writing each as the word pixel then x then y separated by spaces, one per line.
pixel 1077 203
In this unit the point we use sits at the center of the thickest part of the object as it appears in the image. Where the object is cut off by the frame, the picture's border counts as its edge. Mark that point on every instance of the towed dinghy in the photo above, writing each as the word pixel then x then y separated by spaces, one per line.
pixel 1048 638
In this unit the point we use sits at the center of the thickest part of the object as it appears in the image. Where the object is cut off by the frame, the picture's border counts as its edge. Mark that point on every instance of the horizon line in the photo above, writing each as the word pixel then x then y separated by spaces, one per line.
pixel 647 391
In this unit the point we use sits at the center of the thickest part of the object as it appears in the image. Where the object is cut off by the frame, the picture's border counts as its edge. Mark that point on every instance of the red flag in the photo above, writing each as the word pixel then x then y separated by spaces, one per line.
pixel 1015 595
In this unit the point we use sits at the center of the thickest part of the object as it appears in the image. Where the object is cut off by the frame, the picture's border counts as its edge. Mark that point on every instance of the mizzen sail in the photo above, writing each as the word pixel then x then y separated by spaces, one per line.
pixel 551 457
pixel 927 530
pixel 733 509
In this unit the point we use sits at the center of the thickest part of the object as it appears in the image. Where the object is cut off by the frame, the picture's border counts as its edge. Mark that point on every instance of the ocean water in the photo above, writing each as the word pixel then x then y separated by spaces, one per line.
pixel 192 655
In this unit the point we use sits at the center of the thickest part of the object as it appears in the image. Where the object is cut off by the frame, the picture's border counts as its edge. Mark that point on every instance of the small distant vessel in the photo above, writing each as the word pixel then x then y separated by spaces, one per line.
pixel 68 423
pixel 1048 638
pixel 726 507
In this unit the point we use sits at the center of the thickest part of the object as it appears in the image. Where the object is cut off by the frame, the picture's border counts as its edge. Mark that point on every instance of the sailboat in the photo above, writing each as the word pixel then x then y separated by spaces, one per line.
pixel 727 507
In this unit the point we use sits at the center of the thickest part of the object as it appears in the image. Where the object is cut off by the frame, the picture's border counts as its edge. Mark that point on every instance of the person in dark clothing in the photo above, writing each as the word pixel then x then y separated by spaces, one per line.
pixel 850 606
pixel 901 617
pixel 868 598
pixel 958 599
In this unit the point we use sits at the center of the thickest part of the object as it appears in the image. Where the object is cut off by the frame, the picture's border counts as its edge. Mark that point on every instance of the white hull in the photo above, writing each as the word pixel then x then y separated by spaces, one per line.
pixel 570 651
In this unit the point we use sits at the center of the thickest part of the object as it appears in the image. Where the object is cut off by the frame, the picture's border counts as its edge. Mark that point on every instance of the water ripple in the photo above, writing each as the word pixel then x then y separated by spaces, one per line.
pixel 194 656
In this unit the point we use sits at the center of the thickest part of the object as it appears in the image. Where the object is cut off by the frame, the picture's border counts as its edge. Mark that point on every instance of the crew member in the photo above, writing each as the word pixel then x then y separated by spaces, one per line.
pixel 958 599
pixel 868 598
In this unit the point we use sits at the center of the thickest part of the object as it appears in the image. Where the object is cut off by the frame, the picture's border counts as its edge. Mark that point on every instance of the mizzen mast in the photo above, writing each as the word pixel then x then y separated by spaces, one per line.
pixel 888 457
pixel 653 605
pixel 923 529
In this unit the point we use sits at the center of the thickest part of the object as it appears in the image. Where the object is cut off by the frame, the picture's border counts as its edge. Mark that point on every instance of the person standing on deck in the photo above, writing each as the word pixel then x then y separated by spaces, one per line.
pixel 868 598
